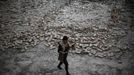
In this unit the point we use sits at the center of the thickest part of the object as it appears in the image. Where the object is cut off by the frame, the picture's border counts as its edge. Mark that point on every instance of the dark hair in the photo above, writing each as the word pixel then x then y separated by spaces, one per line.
pixel 65 38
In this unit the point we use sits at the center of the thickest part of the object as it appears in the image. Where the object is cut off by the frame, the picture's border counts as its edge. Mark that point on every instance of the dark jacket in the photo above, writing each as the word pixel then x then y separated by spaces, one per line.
pixel 63 54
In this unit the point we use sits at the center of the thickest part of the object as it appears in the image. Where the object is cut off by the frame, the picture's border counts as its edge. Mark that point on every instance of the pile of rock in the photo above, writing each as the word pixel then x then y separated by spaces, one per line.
pixel 88 25
pixel 100 38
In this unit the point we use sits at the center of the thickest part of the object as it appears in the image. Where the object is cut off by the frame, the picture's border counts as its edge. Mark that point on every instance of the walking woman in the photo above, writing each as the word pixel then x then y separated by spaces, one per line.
pixel 63 50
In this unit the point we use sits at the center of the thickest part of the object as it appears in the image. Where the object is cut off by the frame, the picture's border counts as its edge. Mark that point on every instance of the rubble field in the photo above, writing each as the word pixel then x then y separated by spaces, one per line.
pixel 30 31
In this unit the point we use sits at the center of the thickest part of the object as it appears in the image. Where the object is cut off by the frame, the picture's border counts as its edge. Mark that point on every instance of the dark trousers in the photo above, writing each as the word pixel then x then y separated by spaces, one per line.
pixel 65 63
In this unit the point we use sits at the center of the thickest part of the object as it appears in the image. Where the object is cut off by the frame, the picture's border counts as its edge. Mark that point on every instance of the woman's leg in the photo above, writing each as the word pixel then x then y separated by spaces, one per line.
pixel 66 67
pixel 59 66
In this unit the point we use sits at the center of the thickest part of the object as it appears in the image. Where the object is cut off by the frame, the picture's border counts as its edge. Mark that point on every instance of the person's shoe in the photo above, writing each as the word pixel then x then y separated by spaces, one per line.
pixel 59 67
pixel 67 73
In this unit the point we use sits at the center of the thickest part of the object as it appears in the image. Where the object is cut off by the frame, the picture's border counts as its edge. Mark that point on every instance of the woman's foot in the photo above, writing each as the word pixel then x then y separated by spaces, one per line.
pixel 67 73
pixel 59 67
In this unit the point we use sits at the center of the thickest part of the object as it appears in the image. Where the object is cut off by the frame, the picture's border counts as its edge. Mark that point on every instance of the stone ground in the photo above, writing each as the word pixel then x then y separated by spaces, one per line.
pixel 28 38
pixel 41 60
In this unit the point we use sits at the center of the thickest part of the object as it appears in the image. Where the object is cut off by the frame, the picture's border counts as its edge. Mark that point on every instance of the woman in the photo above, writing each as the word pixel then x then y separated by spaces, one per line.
pixel 63 50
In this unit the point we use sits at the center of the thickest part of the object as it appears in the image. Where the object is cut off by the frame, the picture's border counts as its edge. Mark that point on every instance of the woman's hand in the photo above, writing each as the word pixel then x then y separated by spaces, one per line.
pixel 63 52
pixel 73 46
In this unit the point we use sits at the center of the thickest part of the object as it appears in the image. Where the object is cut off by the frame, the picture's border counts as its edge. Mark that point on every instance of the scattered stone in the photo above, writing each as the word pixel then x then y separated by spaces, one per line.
pixel 87 25
pixel 99 54
pixel 84 52
pixel 93 52
pixel 110 54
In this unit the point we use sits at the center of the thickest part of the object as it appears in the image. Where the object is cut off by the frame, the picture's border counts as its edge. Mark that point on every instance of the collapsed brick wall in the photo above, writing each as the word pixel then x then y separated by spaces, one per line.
pixel 95 36
pixel 20 21
pixel 24 24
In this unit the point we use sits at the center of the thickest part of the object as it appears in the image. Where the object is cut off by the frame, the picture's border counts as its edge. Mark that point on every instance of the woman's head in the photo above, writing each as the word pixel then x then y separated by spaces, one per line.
pixel 65 38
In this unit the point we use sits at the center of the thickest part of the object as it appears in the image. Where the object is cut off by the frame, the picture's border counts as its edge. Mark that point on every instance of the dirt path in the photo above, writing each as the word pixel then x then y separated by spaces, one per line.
pixel 40 60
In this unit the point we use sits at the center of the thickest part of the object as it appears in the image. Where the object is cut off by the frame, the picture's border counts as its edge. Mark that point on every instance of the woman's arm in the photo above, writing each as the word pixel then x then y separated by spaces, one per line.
pixel 73 46
pixel 59 48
